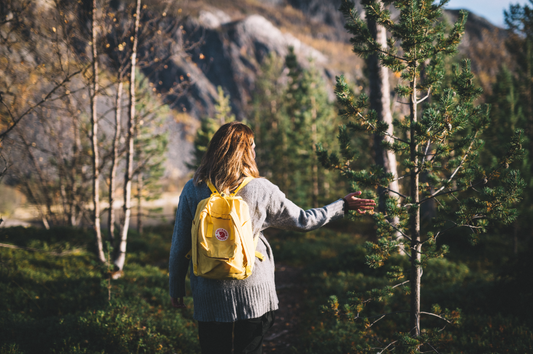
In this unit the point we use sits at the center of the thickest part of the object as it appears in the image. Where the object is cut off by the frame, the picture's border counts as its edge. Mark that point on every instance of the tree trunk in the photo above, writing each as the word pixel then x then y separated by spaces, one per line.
pixel 114 159
pixel 120 255
pixel 515 238
pixel 381 103
pixel 139 203
pixel 315 158
pixel 33 198
pixel 94 142
pixel 72 194
pixel 416 246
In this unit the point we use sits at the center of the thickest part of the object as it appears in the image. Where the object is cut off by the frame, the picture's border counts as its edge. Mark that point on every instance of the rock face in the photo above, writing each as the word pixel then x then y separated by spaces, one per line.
pixel 228 52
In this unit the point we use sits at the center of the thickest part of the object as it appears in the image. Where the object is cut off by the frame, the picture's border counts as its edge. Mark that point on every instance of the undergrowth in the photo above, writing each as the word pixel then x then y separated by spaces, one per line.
pixel 486 282
pixel 56 298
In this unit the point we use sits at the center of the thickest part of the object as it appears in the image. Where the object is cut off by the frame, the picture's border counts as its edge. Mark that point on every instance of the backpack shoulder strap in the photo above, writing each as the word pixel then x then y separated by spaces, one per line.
pixel 244 183
pixel 211 187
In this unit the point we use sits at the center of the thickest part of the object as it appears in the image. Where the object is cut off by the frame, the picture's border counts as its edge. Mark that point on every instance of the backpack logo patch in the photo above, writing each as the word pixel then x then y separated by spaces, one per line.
pixel 222 234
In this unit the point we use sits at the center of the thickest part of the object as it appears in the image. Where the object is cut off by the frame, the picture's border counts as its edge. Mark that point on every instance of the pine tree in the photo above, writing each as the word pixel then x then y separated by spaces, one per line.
pixel 440 137
pixel 269 123
pixel 508 107
pixel 310 118
pixel 150 145
pixel 514 91
pixel 288 122
pixel 209 126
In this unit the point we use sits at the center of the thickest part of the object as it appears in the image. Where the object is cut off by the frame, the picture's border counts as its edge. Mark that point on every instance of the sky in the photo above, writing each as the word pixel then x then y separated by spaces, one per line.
pixel 492 10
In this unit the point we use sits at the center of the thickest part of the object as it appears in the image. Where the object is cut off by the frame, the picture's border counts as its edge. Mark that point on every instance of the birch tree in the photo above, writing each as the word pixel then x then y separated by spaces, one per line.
pixel 94 136
pixel 120 245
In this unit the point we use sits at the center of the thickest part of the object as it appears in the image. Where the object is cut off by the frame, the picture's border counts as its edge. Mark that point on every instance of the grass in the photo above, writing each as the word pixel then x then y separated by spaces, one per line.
pixel 485 281
pixel 60 304
pixel 66 304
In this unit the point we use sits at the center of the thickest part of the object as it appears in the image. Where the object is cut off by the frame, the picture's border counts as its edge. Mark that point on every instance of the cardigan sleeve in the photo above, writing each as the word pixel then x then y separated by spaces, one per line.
pixel 284 214
pixel 181 245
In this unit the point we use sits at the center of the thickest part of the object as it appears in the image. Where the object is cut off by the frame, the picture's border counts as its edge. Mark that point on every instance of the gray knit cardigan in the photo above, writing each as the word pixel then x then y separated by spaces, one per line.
pixel 232 300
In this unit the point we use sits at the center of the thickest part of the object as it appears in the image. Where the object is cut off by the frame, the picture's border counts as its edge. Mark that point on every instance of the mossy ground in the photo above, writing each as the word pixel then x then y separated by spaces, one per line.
pixel 60 304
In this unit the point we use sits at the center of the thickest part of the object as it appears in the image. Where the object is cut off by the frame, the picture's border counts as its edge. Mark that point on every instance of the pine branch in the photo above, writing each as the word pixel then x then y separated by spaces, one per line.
pixel 374 127
pixel 454 172
pixel 397 229
pixel 382 317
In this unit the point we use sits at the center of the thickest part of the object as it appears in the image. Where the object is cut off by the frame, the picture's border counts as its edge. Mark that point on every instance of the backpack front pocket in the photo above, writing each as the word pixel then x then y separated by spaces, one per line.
pixel 220 238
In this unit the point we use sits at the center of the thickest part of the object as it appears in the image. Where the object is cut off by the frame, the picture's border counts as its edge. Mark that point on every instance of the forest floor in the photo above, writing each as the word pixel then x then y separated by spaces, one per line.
pixel 283 334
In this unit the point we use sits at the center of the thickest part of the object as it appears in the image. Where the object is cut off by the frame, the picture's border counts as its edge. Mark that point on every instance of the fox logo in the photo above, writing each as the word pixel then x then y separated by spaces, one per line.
pixel 221 234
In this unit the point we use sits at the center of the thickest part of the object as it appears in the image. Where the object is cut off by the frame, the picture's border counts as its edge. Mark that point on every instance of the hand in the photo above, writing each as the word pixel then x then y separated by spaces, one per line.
pixel 177 303
pixel 360 205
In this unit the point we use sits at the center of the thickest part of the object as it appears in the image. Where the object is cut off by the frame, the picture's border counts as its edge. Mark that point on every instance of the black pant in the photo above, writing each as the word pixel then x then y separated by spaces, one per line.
pixel 245 336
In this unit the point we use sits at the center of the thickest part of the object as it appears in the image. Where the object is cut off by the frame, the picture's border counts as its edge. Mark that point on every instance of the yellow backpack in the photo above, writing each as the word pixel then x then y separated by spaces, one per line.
pixel 223 244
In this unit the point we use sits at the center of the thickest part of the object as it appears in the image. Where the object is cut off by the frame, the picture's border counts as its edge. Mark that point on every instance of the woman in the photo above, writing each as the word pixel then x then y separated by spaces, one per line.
pixel 237 313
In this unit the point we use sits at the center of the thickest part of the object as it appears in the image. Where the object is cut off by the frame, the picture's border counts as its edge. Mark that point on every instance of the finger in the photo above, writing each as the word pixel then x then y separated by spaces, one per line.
pixel 358 200
pixel 351 195
pixel 362 204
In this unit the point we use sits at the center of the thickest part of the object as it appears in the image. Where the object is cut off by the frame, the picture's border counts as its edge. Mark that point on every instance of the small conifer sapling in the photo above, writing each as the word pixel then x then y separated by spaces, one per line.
pixel 439 137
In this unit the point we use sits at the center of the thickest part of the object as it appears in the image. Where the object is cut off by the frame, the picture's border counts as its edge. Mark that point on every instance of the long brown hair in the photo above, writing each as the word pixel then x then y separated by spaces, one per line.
pixel 229 158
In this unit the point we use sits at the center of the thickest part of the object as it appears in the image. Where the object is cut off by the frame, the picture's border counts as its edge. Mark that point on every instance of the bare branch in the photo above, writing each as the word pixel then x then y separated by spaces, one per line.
pixel 425 98
pixel 6 166
pixel 435 315
pixel 400 284
pixel 32 108
pixel 433 348
pixel 381 352
pixel 387 189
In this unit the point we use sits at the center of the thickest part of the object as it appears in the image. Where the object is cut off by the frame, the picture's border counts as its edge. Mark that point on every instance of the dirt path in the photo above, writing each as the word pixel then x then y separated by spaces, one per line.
pixel 290 293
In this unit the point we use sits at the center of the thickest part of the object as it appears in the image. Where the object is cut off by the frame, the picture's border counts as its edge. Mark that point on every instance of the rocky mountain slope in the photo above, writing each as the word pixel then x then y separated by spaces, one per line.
pixel 232 38
pixel 235 36
pixel 236 39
